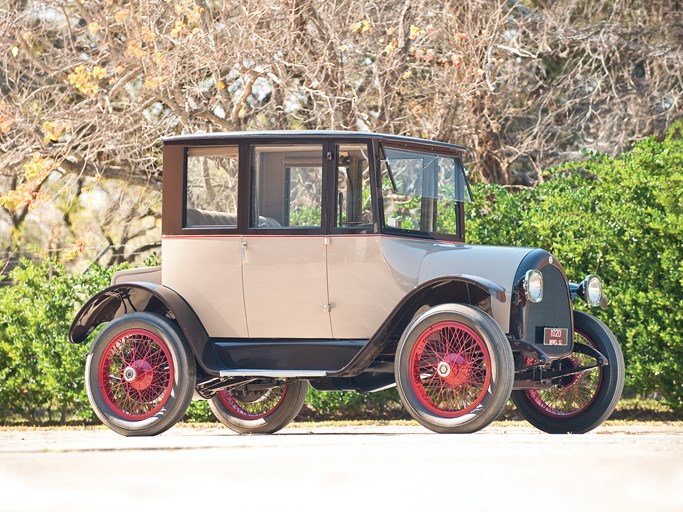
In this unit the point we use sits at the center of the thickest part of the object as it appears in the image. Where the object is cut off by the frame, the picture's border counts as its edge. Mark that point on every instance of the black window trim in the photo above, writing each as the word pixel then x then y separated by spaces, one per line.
pixel 209 229
pixel 332 200
pixel 174 186
pixel 246 227
pixel 394 231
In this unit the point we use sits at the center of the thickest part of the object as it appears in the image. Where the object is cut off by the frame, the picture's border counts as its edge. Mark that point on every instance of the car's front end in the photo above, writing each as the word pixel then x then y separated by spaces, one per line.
pixel 567 367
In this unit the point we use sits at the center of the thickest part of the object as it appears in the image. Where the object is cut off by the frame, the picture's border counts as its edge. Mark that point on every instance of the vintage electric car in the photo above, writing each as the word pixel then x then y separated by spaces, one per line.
pixel 339 259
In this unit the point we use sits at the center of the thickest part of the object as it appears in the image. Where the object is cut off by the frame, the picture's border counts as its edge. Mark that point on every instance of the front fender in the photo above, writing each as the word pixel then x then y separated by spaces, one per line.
pixel 462 289
pixel 124 298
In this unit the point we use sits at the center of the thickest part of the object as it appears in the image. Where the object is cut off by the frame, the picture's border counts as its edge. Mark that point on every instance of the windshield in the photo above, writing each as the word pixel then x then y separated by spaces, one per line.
pixel 421 190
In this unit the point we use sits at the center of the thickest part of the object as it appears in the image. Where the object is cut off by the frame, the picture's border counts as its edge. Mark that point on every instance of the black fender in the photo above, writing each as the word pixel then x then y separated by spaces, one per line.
pixel 124 298
pixel 459 289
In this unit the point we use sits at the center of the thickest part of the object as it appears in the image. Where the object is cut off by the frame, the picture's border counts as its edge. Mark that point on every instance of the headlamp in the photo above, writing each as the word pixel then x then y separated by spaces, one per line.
pixel 592 290
pixel 533 285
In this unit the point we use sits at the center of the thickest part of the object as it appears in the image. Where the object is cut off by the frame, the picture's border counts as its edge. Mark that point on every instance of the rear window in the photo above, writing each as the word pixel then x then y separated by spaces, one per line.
pixel 211 187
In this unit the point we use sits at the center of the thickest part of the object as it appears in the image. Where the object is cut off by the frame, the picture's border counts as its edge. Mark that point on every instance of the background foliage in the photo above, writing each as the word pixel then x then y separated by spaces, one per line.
pixel 41 374
pixel 621 217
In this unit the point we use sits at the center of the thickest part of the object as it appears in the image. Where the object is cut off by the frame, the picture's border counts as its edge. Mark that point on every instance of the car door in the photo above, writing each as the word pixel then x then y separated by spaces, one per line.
pixel 284 251
pixel 201 259
pixel 363 286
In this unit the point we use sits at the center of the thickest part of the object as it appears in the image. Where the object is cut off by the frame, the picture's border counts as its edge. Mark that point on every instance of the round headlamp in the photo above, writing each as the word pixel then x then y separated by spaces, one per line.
pixel 592 290
pixel 533 286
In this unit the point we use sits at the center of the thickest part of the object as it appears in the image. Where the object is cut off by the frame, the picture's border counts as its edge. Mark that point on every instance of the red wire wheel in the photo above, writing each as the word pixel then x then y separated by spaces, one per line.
pixel 251 405
pixel 575 393
pixel 450 369
pixel 136 374
pixel 577 403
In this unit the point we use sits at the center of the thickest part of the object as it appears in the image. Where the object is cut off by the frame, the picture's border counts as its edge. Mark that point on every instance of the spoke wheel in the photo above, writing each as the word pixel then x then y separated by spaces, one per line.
pixel 454 369
pixel 249 405
pixel 581 402
pixel 140 374
pixel 451 369
pixel 136 374
pixel 259 411
pixel 575 393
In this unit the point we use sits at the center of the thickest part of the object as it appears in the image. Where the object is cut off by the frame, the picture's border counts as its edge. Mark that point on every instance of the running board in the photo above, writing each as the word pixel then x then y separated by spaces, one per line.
pixel 291 374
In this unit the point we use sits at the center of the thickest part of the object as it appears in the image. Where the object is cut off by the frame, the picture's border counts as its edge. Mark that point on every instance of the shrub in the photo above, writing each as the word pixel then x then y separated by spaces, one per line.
pixel 41 374
pixel 621 218
pixel 325 405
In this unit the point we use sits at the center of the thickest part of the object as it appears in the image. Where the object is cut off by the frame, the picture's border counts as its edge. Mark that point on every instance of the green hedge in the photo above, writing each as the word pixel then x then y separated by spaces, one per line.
pixel 619 217
pixel 41 374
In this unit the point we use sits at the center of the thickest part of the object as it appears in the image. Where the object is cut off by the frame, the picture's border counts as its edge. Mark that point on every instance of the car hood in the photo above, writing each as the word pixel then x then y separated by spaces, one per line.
pixel 495 263
pixel 413 262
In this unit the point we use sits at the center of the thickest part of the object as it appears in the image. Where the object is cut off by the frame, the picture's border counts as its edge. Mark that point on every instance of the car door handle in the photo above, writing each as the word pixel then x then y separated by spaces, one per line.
pixel 244 248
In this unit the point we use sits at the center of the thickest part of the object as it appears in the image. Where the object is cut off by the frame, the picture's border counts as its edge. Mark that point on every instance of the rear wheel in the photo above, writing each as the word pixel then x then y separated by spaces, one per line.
pixel 259 410
pixel 581 402
pixel 140 375
pixel 454 369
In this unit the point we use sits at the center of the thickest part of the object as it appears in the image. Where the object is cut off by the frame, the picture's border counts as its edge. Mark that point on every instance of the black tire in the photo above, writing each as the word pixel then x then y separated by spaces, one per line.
pixel 261 411
pixel 140 375
pixel 579 404
pixel 454 369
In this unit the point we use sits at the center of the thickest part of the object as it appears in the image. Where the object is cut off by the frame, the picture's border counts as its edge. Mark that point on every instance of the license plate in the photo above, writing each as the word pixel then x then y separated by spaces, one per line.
pixel 555 336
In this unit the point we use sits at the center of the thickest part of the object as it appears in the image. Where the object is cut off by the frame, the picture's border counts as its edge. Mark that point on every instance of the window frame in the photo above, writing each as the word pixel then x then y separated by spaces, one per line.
pixel 249 194
pixel 174 191
pixel 459 236
pixel 212 150
pixel 332 193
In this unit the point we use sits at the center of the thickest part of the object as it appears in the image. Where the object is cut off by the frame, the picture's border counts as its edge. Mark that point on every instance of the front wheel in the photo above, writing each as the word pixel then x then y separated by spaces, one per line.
pixel 140 375
pixel 255 409
pixel 581 402
pixel 454 369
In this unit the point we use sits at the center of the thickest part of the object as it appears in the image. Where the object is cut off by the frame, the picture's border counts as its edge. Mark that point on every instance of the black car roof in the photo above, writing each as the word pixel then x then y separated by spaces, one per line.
pixel 214 137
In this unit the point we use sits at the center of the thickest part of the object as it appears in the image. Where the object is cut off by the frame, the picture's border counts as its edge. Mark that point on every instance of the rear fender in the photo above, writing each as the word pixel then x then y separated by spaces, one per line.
pixel 121 299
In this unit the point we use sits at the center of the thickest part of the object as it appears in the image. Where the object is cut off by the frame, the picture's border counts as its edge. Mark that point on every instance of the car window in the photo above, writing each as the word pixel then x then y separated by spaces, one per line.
pixel 287 186
pixel 211 187
pixel 420 191
pixel 353 194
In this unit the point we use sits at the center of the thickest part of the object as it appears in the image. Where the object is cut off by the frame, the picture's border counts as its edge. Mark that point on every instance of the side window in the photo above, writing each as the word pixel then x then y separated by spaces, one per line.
pixel 420 191
pixel 287 186
pixel 211 187
pixel 399 173
pixel 353 193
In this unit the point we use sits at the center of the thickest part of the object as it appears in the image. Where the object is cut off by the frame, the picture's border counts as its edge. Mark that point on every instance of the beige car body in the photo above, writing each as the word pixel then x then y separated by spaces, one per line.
pixel 340 287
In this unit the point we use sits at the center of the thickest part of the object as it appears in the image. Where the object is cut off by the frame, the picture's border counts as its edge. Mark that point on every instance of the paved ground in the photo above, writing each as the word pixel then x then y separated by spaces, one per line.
pixel 343 468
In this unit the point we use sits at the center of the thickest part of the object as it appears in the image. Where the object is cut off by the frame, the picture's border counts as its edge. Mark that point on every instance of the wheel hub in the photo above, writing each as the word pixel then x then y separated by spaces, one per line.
pixel 129 374
pixel 444 369
pixel 454 369
pixel 139 374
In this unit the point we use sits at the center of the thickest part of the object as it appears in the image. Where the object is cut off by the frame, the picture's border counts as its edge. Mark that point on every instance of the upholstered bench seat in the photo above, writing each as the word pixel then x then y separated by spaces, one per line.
pixel 195 217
